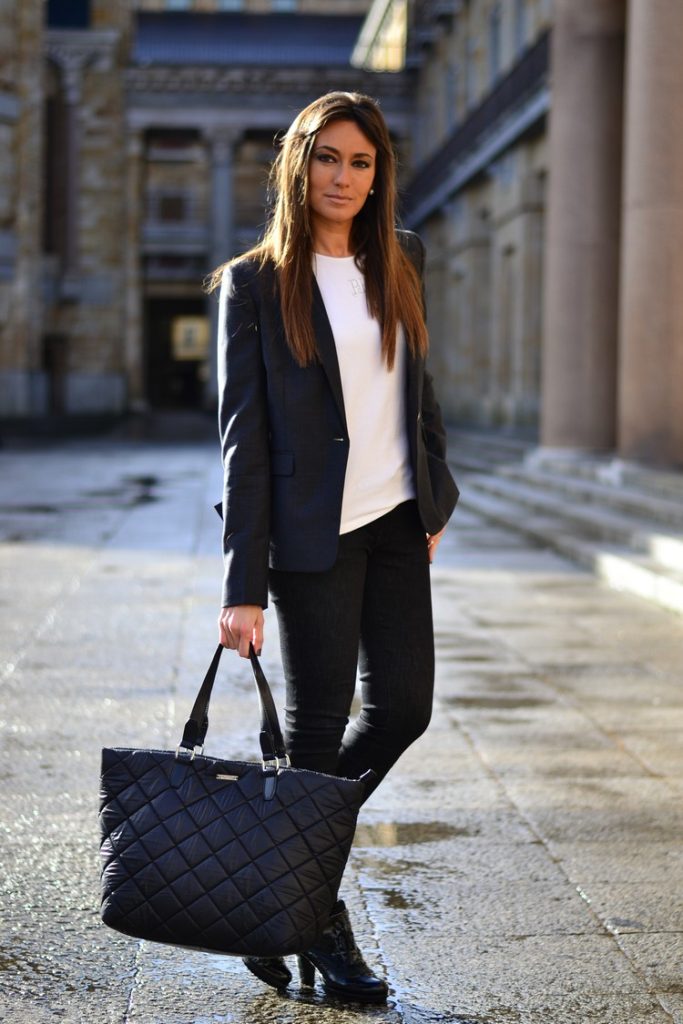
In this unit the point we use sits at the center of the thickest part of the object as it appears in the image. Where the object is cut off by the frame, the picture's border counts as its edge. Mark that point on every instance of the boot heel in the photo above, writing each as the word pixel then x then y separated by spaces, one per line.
pixel 338 959
pixel 306 972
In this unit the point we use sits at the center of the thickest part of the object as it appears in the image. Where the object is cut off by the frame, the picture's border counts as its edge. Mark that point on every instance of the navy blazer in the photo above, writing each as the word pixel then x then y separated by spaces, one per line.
pixel 285 441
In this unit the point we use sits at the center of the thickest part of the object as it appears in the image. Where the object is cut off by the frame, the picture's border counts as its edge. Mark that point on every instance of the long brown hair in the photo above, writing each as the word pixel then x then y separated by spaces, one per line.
pixel 392 285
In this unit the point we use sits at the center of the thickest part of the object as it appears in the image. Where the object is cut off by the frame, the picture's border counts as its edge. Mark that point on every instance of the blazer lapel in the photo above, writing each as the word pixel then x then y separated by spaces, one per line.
pixel 327 349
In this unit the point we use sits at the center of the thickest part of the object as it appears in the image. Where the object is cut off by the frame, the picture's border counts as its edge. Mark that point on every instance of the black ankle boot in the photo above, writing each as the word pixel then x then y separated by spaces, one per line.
pixel 272 969
pixel 339 960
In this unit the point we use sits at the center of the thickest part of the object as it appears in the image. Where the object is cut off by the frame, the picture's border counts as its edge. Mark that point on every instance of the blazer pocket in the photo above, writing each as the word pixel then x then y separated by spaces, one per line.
pixel 282 463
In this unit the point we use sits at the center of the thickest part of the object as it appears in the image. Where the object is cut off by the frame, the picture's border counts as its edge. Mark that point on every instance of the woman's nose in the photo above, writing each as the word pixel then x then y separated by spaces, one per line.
pixel 341 176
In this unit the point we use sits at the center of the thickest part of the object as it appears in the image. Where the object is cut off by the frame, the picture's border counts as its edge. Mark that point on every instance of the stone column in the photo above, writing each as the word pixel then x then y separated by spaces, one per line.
pixel 436 289
pixel 23 385
pixel 72 67
pixel 532 229
pixel 651 321
pixel 133 343
pixel 456 389
pixel 582 243
pixel 222 244
pixel 222 195
pixel 479 288
pixel 504 301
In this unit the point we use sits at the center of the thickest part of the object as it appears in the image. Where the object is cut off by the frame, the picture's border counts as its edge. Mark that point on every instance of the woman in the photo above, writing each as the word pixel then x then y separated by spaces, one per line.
pixel 336 487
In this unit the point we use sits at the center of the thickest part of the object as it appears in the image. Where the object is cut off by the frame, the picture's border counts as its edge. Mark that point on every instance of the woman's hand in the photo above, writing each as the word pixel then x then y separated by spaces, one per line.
pixel 433 541
pixel 240 626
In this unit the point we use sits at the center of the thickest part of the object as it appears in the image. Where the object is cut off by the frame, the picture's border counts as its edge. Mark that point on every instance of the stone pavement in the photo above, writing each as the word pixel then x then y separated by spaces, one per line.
pixel 522 863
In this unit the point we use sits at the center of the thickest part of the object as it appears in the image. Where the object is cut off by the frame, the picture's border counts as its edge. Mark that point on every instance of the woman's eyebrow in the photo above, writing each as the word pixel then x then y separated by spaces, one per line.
pixel 333 150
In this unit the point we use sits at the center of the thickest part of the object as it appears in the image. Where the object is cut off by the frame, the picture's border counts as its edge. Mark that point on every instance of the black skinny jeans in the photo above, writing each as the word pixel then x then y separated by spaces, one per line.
pixel 372 610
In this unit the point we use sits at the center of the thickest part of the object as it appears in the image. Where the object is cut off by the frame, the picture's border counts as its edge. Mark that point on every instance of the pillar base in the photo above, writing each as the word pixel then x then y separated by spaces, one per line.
pixel 541 457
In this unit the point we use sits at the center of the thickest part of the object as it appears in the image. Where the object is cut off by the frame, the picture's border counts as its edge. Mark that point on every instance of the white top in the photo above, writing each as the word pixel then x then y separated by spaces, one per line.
pixel 378 473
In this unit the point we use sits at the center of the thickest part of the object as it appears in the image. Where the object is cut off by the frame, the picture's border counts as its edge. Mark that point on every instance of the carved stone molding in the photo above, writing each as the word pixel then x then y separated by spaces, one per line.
pixel 135 145
pixel 267 81
pixel 222 141
pixel 75 50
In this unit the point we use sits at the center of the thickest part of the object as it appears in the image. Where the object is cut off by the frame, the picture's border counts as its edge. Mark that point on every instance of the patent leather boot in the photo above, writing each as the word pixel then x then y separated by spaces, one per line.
pixel 272 969
pixel 340 962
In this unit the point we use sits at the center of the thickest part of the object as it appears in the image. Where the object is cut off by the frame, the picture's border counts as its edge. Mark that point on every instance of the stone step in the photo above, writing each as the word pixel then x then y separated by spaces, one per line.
pixel 642 535
pixel 624 570
pixel 481 452
pixel 632 502
pixel 610 471
pixel 618 565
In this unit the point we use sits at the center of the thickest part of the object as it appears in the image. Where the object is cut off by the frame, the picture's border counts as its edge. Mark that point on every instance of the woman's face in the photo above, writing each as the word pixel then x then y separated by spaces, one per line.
pixel 340 173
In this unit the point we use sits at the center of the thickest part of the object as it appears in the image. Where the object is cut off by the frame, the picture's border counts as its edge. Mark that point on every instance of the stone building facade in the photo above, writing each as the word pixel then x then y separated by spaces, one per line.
pixel 21 145
pixel 540 153
pixel 547 185
pixel 477 196
pixel 137 137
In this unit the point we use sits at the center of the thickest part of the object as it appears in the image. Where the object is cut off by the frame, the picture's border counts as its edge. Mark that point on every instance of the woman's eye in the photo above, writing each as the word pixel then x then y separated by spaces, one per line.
pixel 324 157
pixel 363 164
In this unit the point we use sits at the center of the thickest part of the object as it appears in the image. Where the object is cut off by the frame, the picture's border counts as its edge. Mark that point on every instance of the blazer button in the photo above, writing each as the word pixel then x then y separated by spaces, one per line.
pixel 338 438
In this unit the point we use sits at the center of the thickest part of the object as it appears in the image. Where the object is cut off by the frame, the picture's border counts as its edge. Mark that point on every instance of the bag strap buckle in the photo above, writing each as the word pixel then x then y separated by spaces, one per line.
pixel 276 764
pixel 188 753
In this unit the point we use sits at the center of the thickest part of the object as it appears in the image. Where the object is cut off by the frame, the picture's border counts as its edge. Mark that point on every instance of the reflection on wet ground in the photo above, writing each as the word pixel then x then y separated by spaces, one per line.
pixel 519 865
pixel 131 492
pixel 407 833
pixel 466 656
pixel 498 702
pixel 400 900
pixel 31 510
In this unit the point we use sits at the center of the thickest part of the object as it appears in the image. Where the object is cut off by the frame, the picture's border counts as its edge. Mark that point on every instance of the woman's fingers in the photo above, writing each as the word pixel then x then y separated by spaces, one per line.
pixel 240 626
pixel 257 638
pixel 433 541
pixel 243 643
pixel 225 637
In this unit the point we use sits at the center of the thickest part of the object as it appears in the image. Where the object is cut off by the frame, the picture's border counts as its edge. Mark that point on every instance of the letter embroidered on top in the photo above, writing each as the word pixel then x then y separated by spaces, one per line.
pixel 357 285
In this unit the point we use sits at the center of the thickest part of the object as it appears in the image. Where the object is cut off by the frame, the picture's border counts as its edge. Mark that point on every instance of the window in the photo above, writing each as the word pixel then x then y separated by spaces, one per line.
pixel 178 5
pixel 494 44
pixel 451 85
pixel 68 13
pixel 471 71
pixel 230 5
pixel 546 11
pixel 171 208
pixel 426 122
pixel 520 25
pixel 284 5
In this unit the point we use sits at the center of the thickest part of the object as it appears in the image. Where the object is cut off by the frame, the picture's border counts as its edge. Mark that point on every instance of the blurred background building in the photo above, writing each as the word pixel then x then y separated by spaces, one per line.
pixel 546 180
pixel 541 155
pixel 136 139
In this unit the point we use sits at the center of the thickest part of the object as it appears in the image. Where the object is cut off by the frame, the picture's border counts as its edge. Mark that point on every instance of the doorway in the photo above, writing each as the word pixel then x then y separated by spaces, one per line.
pixel 176 352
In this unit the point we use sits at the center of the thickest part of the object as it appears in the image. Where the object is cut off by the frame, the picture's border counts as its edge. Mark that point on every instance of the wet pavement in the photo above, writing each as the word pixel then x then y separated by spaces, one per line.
pixel 523 861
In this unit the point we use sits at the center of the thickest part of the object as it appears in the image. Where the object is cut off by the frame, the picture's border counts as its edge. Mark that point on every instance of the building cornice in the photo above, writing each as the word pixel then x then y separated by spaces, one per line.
pixel 168 111
pixel 87 46
pixel 265 80
pixel 74 50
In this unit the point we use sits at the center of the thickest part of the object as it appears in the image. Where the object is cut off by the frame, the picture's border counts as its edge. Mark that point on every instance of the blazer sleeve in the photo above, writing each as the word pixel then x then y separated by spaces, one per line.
pixel 244 430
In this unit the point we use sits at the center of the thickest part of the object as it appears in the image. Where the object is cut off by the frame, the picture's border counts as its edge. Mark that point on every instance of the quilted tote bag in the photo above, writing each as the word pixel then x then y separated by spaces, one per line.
pixel 231 857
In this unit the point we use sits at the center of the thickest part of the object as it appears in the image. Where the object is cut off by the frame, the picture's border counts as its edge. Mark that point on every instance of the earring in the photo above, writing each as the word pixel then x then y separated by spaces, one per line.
pixel 372 191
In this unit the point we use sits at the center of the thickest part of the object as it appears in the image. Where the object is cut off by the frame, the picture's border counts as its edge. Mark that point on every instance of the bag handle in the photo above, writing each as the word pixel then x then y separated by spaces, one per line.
pixel 272 744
